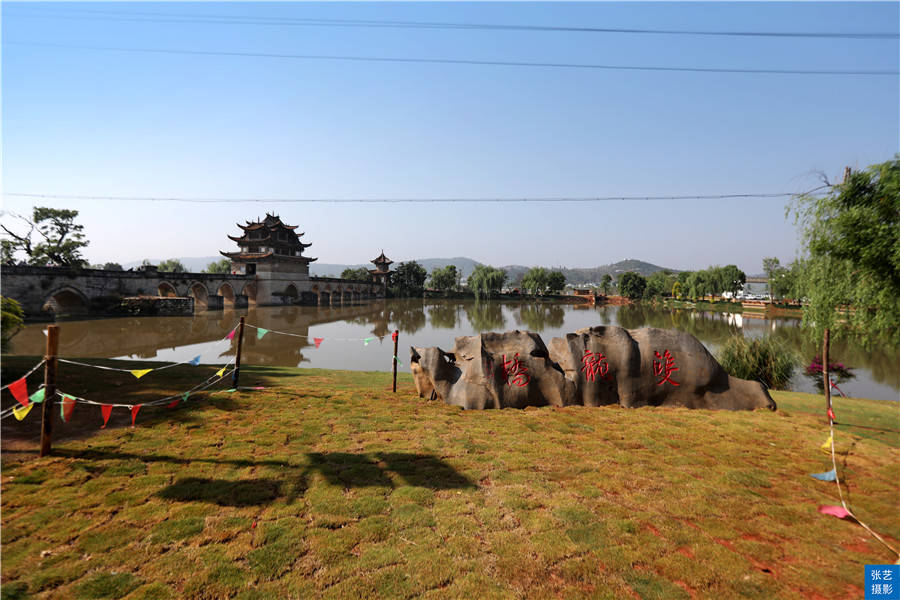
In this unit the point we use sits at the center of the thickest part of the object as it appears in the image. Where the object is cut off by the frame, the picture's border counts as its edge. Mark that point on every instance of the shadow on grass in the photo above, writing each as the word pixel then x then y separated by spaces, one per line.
pixel 342 469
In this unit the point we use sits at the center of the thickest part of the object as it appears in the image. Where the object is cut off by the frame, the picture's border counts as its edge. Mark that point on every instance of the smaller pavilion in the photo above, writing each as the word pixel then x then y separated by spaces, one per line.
pixel 382 272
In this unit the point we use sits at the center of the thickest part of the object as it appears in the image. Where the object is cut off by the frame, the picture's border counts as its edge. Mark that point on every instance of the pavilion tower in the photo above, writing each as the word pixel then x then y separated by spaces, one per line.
pixel 382 272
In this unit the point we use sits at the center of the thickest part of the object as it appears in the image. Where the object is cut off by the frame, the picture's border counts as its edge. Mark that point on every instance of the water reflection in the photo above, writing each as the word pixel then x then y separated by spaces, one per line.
pixel 428 323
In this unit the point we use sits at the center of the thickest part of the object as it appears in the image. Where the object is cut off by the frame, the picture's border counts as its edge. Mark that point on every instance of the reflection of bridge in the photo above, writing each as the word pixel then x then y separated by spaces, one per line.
pixel 49 291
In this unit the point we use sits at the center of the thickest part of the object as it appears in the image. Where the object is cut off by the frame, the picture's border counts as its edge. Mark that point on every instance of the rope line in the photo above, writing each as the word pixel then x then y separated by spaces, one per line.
pixel 311 337
pixel 33 369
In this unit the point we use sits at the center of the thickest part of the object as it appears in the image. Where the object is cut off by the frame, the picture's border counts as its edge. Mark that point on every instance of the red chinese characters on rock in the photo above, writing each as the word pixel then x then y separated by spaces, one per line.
pixel 515 372
pixel 664 366
pixel 594 363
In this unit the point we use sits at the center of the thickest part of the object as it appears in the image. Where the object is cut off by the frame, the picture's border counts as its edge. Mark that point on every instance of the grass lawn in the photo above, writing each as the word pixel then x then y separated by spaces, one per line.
pixel 327 485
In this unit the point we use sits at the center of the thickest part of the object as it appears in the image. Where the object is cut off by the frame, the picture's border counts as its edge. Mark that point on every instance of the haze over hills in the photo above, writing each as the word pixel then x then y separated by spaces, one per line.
pixel 577 276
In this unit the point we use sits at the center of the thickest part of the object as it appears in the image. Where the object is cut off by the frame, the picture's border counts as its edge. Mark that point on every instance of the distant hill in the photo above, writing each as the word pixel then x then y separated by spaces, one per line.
pixel 196 264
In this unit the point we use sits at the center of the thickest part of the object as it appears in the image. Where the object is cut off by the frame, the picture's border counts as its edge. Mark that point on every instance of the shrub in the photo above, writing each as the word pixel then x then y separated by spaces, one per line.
pixel 11 319
pixel 760 359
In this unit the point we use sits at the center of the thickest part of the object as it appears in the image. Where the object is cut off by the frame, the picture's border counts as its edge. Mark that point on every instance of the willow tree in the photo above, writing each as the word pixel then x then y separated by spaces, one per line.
pixel 851 274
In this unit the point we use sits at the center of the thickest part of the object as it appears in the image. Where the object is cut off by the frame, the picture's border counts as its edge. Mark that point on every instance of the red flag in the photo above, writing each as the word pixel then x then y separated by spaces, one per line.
pixel 19 390
pixel 318 341
pixel 230 336
pixel 394 336
pixel 66 407
pixel 831 414
pixel 106 410
pixel 134 412
pixel 174 403
pixel 836 511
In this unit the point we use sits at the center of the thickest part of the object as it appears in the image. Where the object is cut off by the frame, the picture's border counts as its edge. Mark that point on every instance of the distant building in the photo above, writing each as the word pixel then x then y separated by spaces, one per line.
pixel 382 272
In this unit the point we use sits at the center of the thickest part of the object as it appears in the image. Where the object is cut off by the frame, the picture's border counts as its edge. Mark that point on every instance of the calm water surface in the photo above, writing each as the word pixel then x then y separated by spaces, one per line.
pixel 422 323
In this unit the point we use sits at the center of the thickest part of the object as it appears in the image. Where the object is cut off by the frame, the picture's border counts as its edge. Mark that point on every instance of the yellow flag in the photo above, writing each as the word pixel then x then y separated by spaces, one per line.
pixel 138 373
pixel 22 412
pixel 221 371
pixel 827 445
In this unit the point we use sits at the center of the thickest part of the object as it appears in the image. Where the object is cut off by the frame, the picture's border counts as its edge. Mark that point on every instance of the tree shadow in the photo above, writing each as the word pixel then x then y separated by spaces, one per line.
pixel 348 470
pixel 424 470
pixel 244 492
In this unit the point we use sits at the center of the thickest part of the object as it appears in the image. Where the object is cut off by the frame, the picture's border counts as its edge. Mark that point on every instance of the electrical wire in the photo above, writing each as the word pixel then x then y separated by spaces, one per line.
pixel 453 61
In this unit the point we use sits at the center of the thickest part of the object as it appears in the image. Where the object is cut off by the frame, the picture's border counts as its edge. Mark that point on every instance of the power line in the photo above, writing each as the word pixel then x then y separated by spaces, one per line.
pixel 408 200
pixel 218 19
pixel 449 61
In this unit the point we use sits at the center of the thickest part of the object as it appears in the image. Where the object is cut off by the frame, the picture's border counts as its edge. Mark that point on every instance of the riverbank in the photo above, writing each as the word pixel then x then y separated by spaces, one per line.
pixel 325 484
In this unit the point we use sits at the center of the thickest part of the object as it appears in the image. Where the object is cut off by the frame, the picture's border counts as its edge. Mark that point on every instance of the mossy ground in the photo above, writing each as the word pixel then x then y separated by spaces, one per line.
pixel 326 484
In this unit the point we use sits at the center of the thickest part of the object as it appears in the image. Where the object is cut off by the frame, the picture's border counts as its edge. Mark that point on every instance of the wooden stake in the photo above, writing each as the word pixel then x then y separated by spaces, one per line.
pixel 396 337
pixel 237 359
pixel 49 388
pixel 825 378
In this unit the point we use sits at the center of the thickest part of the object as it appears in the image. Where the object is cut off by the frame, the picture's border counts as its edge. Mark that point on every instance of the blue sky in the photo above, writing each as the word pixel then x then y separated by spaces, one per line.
pixel 114 123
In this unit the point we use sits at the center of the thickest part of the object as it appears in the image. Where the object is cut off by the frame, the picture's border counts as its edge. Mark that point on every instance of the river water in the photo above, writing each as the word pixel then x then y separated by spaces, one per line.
pixel 344 331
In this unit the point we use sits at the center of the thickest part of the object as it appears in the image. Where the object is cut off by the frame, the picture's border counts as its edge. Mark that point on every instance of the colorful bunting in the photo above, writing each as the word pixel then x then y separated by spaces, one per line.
pixel 827 445
pixel 831 414
pixel 134 412
pixel 318 341
pixel 106 411
pixel 836 511
pixel 230 335
pixel 221 372
pixel 22 411
pixel 66 407
pixel 37 397
pixel 260 332
pixel 826 476
pixel 19 389
pixel 367 340
pixel 173 403
pixel 195 361
pixel 138 373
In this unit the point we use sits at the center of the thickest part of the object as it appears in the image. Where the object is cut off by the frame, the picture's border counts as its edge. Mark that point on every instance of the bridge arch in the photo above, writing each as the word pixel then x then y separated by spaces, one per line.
pixel 290 295
pixel 227 292
pixel 66 301
pixel 200 294
pixel 250 291
pixel 166 290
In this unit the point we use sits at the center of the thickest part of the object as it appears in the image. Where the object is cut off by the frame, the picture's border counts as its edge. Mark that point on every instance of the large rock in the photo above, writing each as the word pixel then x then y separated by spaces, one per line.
pixel 656 367
pixel 591 367
pixel 491 370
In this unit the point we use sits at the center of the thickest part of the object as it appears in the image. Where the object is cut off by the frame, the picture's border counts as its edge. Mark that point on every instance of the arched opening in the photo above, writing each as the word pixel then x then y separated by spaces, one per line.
pixel 67 301
pixel 227 293
pixel 290 294
pixel 201 296
pixel 250 291
pixel 166 290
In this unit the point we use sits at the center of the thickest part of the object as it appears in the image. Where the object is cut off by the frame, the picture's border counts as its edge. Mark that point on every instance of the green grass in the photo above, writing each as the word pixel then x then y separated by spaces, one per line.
pixel 327 485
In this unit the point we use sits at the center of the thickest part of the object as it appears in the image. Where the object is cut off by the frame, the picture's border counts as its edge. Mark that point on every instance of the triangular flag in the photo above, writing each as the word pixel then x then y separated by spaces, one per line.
pixel 38 396
pixel 134 412
pixel 399 364
pixel 827 445
pixel 260 332
pixel 173 403
pixel 232 390
pixel 19 389
pixel 195 361
pixel 230 335
pixel 44 331
pixel 830 414
pixel 106 411
pixel 836 511
pixel 138 373
pixel 826 476
pixel 394 336
pixel 22 411
pixel 66 407
pixel 367 340
pixel 318 341
pixel 221 371
pixel 185 396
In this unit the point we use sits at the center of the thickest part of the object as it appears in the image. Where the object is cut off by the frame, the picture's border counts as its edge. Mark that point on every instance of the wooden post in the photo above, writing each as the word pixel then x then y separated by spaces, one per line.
pixel 826 380
pixel 396 337
pixel 49 388
pixel 237 359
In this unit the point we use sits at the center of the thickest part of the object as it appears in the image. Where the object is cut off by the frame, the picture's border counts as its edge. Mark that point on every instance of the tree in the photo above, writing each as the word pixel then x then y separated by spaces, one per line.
pixel 851 274
pixel 486 281
pixel 734 279
pixel 112 266
pixel 606 284
pixel 535 280
pixel 359 274
pixel 59 243
pixel 11 320
pixel 632 285
pixel 770 265
pixel 408 279
pixel 173 265
pixel 659 284
pixel 556 281
pixel 444 279
pixel 220 266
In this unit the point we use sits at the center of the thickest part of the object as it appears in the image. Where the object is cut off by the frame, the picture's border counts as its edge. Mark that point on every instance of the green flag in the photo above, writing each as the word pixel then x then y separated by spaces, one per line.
pixel 260 332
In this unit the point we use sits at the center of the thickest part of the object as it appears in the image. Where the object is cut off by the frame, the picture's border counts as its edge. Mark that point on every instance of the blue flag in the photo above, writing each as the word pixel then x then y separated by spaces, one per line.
pixel 827 476
pixel 195 361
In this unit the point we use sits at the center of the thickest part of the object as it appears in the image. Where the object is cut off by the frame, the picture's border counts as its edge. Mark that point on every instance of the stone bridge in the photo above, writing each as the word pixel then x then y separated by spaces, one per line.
pixel 45 292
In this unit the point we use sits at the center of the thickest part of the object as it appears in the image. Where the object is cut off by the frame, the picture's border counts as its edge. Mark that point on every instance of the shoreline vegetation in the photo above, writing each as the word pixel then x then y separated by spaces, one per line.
pixel 325 484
